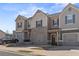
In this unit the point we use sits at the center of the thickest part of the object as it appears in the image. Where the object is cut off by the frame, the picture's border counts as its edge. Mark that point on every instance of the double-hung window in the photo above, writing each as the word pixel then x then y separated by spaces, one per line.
pixel 39 23
pixel 70 19
pixel 19 25
pixel 56 22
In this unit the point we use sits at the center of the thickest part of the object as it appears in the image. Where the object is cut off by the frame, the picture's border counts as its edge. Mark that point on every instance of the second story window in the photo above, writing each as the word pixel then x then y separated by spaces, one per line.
pixel 69 19
pixel 28 24
pixel 56 22
pixel 19 25
pixel 39 23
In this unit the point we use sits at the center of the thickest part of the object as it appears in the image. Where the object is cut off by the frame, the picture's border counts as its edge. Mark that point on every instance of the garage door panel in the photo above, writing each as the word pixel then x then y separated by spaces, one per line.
pixel 70 39
pixel 70 43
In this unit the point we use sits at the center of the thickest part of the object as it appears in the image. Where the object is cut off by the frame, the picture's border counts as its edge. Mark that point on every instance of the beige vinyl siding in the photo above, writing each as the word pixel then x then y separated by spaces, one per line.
pixel 65 13
pixel 39 16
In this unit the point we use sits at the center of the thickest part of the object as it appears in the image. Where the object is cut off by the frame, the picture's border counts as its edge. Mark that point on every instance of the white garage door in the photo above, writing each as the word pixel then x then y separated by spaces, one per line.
pixel 70 39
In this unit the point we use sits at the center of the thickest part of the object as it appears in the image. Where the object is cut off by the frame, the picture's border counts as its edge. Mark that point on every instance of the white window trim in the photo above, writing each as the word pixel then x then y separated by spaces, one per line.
pixel 70 29
pixel 71 15
pixel 55 20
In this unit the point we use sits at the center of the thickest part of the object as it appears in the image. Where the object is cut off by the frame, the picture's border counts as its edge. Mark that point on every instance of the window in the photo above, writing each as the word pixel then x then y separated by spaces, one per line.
pixel 56 22
pixel 19 25
pixel 70 19
pixel 28 24
pixel 39 23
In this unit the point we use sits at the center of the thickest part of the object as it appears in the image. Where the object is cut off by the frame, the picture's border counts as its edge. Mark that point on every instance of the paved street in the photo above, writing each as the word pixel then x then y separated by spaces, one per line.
pixel 2 53
pixel 32 50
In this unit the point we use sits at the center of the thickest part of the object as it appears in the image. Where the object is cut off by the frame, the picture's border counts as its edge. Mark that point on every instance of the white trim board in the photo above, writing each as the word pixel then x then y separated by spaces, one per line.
pixel 70 29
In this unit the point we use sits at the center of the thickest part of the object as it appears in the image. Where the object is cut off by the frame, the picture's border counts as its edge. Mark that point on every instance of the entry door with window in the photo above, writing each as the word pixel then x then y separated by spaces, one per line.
pixel 54 40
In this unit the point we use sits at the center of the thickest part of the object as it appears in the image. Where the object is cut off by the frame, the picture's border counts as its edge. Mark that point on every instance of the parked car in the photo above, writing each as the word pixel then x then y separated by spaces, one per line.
pixel 10 41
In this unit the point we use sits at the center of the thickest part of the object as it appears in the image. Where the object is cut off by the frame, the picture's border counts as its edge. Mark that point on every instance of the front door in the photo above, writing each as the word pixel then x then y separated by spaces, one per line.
pixel 54 40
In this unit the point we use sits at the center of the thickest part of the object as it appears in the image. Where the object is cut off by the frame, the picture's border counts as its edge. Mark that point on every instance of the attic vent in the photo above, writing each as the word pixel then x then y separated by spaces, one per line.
pixel 69 9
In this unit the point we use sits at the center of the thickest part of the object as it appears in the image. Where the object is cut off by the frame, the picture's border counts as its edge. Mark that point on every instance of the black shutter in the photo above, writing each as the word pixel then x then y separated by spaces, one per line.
pixel 53 22
pixel 58 22
pixel 36 24
pixel 73 18
pixel 41 23
pixel 65 19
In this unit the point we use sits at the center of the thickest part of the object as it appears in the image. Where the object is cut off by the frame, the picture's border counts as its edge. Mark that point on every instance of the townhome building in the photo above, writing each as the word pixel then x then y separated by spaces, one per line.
pixel 21 29
pixel 5 36
pixel 60 28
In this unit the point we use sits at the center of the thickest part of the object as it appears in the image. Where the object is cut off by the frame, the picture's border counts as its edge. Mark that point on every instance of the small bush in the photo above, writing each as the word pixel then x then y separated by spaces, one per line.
pixel 25 51
pixel 37 48
pixel 10 45
pixel 39 55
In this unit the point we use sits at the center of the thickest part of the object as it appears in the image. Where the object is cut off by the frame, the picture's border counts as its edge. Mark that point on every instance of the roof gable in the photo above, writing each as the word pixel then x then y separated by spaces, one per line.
pixel 39 11
pixel 55 14
pixel 19 17
pixel 70 5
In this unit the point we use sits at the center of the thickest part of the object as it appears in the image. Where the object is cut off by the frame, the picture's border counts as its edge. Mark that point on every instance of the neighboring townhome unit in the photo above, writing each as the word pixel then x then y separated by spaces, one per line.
pixel 39 27
pixel 21 32
pixel 53 29
pixel 69 24
pixel 5 36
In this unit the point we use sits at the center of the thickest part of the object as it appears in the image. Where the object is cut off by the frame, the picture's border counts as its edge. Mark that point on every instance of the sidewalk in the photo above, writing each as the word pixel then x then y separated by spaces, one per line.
pixel 17 49
pixel 38 51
